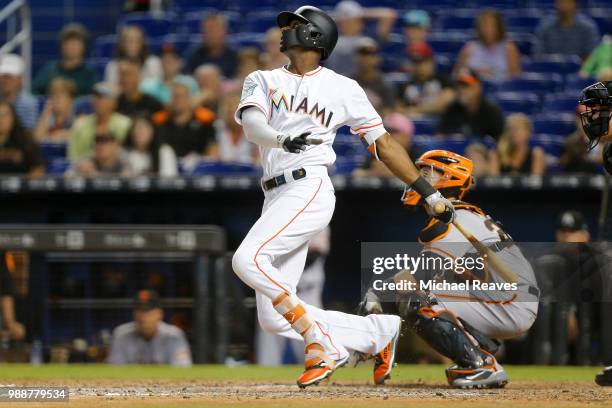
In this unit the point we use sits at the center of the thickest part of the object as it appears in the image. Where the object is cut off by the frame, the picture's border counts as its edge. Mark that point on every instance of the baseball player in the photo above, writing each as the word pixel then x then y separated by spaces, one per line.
pixel 293 114
pixel 461 324
pixel 597 124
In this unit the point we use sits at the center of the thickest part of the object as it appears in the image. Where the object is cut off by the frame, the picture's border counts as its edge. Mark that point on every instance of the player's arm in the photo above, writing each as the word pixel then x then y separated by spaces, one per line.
pixel 394 156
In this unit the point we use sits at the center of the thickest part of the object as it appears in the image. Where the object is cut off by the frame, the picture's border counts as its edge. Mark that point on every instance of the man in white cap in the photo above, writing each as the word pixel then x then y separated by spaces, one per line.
pixel 11 90
pixel 351 17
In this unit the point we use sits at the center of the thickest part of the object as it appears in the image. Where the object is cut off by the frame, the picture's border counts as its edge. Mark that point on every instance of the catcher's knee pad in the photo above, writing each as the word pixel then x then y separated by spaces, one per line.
pixel 445 333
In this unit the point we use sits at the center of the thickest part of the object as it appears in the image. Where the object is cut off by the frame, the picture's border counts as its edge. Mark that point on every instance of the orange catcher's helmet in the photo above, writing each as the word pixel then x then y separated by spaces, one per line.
pixel 455 175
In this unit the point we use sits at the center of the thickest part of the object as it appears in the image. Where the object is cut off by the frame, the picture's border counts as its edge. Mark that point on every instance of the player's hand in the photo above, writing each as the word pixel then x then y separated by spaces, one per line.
pixel 439 207
pixel 16 331
pixel 296 144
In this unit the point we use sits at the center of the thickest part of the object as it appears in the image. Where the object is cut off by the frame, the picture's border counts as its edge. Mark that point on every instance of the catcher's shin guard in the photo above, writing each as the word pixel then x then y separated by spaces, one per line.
pixel 445 333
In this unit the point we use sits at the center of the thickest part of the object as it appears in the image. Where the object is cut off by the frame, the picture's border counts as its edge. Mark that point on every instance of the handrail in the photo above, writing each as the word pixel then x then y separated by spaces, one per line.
pixel 23 38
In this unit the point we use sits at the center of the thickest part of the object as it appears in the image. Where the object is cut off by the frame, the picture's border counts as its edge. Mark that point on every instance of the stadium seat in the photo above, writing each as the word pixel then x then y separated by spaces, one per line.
pixel 53 150
pixel 460 21
pixel 448 46
pixel 532 82
pixel 260 21
pixel 99 65
pixel 565 102
pixel 192 22
pixel 104 46
pixel 552 144
pixel 555 123
pixel 561 64
pixel 182 42
pixel 524 41
pixel 153 25
pixel 602 17
pixel 522 23
pixel 424 126
pixel 346 165
pixel 82 105
pixel 57 167
pixel 242 40
pixel 575 83
pixel 512 102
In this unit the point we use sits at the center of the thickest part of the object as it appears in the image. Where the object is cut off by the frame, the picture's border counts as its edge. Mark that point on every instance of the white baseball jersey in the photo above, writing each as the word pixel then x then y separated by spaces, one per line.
pixel 319 102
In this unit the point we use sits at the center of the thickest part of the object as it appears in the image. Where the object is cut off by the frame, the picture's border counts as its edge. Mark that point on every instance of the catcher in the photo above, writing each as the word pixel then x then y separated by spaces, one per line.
pixel 596 123
pixel 463 325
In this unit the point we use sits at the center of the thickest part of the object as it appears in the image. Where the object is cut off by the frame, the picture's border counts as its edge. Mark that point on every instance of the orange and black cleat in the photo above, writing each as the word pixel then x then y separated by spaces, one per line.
pixel 385 360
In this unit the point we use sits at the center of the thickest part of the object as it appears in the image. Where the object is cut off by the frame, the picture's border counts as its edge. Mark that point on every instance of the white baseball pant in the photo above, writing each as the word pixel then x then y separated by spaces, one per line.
pixel 271 260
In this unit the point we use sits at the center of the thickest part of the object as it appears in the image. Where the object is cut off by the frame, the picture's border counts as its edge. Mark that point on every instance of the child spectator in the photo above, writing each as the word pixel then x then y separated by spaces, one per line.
pixel 73 47
pixel 146 153
pixel 492 55
pixel 11 90
pixel 57 116
pixel 514 155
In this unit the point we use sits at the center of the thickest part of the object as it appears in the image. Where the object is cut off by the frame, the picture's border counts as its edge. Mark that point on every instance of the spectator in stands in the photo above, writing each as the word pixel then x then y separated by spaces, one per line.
pixel 402 130
pixel 575 157
pixel 209 79
pixel 514 155
pixel 351 17
pixel 188 130
pixel 19 154
pixel 15 330
pixel 58 114
pixel 132 100
pixel 105 119
pixel 379 91
pixel 568 32
pixel 73 47
pixel 108 159
pixel 148 339
pixel 11 90
pixel 492 55
pixel 427 92
pixel 132 44
pixel 233 146
pixel 146 153
pixel 479 155
pixel 599 63
pixel 272 57
pixel 416 26
pixel 214 48
pixel 249 60
pixel 171 63
pixel 471 113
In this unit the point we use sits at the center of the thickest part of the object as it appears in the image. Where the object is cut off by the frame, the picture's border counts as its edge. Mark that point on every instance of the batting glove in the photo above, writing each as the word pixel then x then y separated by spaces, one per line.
pixel 296 144
pixel 448 215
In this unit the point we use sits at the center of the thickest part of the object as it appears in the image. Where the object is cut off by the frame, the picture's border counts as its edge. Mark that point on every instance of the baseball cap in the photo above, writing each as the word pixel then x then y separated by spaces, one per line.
pixel 399 123
pixel 146 300
pixel 11 64
pixel 348 9
pixel 366 45
pixel 572 220
pixel 105 89
pixel 420 51
pixel 416 18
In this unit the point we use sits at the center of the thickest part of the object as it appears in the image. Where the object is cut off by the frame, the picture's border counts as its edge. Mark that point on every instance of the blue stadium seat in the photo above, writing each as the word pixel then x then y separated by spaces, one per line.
pixel 524 41
pixel 575 83
pixel 99 65
pixel 551 143
pixel 555 123
pixel 104 46
pixel 192 21
pixel 82 105
pixel 349 148
pixel 53 150
pixel 512 102
pixel 185 6
pixel 153 25
pixel 522 23
pixel 532 82
pixel 222 168
pixel 561 64
pixel 182 42
pixel 460 20
pixel 602 17
pixel 242 40
pixel 424 126
pixel 345 165
pixel 565 102
pixel 57 167
pixel 449 45
pixel 260 21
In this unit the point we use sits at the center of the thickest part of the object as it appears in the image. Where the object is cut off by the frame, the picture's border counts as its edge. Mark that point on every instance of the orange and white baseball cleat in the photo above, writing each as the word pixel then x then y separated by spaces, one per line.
pixel 384 361
pixel 318 366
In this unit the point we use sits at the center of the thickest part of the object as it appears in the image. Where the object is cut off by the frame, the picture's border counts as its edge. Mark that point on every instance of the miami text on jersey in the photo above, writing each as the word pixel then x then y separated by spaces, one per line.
pixel 279 101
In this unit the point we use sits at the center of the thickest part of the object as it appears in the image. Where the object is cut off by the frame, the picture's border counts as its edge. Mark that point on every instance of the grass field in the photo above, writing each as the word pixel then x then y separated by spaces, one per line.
pixel 210 385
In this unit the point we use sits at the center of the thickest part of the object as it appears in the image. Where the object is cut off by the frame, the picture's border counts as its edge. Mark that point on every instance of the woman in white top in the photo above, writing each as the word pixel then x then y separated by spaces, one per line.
pixel 132 43
pixel 492 55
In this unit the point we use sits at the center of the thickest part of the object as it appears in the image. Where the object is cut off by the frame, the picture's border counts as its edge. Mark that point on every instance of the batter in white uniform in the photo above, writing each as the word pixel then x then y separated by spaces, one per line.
pixel 293 114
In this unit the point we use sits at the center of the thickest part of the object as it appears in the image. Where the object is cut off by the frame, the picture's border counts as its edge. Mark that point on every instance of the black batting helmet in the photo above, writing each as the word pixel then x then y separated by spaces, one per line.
pixel 318 32
pixel 597 100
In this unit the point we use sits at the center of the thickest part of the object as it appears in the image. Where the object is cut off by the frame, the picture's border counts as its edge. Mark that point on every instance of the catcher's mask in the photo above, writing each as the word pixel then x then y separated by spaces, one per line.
pixel 451 175
pixel 318 30
pixel 597 100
